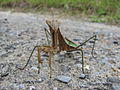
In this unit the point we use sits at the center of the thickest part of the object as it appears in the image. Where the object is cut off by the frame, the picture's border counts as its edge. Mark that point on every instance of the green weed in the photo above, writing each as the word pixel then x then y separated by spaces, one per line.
pixel 99 9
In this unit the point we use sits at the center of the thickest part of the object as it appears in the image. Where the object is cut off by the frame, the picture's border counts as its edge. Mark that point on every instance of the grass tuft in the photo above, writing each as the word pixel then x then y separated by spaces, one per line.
pixel 109 9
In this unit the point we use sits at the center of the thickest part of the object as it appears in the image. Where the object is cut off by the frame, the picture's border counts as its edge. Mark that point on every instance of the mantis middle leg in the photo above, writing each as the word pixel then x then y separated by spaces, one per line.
pixel 29 58
pixel 83 71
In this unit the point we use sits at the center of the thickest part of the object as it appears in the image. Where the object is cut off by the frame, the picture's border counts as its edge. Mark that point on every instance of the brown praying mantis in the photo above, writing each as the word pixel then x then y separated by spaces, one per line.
pixel 59 43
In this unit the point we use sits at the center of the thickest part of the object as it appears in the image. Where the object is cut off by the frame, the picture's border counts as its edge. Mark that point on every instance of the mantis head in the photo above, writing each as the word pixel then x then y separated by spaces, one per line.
pixel 53 24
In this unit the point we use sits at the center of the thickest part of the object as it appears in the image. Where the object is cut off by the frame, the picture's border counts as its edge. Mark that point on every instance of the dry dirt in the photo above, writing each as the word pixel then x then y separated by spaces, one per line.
pixel 20 32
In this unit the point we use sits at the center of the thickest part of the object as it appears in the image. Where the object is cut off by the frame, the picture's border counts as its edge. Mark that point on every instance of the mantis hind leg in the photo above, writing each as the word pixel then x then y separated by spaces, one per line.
pixel 93 46
pixel 93 37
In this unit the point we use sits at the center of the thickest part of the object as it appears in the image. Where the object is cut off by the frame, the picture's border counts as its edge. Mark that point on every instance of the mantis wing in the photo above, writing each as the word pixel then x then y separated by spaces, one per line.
pixel 70 43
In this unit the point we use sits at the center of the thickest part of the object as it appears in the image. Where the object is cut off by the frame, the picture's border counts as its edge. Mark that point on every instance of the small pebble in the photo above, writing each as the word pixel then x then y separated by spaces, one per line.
pixel 13 87
pixel 115 87
pixel 82 76
pixel 115 42
pixel 79 65
pixel 87 67
pixel 91 41
pixel 118 67
pixel 34 68
pixel 21 86
pixel 113 79
pixel 55 88
pixel 40 79
pixel 63 78
pixel 32 87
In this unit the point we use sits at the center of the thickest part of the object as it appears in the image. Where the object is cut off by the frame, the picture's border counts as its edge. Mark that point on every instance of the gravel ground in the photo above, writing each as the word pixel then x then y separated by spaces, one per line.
pixel 20 32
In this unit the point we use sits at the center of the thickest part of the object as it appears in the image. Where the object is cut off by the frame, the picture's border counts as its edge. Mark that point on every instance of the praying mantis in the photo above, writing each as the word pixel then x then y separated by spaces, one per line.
pixel 59 43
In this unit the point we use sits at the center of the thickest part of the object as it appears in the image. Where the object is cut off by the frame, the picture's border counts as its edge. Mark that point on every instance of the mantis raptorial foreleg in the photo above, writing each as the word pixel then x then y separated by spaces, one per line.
pixel 46 33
